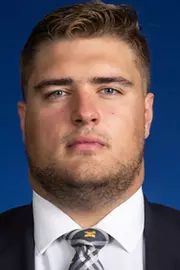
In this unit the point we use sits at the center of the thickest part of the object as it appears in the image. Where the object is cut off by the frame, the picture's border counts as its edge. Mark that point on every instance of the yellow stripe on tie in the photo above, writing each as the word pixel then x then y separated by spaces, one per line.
pixel 90 234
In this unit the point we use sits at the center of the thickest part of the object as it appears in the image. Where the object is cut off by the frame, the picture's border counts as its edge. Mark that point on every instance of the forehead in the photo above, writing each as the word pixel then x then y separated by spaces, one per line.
pixel 84 58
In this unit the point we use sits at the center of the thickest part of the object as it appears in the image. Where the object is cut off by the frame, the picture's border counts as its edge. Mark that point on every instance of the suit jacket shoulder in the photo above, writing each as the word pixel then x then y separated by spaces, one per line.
pixel 162 213
pixel 162 237
pixel 13 215
pixel 16 221
pixel 17 239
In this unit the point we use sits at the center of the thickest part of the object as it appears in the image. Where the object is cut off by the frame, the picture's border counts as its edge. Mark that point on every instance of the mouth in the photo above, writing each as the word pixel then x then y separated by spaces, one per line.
pixel 86 144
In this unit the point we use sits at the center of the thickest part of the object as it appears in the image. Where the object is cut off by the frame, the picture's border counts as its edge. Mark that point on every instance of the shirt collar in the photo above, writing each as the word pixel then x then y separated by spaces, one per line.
pixel 49 223
pixel 125 223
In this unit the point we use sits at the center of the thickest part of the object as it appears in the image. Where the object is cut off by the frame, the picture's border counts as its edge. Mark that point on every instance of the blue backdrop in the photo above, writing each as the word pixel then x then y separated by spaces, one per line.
pixel 160 23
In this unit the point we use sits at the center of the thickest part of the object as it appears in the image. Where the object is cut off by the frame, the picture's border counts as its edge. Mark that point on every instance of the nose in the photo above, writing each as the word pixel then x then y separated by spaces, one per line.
pixel 85 111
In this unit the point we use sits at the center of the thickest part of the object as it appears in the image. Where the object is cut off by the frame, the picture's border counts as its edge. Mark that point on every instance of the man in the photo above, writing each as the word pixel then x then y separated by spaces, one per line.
pixel 87 110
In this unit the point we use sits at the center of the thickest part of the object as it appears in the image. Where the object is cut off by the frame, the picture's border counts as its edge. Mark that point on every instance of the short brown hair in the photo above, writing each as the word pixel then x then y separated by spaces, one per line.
pixel 87 20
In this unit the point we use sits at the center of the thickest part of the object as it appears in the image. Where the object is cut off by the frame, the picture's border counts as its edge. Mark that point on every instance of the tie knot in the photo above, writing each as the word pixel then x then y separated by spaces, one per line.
pixel 88 237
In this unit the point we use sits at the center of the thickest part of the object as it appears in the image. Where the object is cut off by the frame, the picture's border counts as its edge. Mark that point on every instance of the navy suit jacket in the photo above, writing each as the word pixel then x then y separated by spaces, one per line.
pixel 162 238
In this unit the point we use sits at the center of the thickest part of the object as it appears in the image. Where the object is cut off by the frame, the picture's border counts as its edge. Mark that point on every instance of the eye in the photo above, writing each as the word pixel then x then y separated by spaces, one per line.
pixel 110 91
pixel 55 94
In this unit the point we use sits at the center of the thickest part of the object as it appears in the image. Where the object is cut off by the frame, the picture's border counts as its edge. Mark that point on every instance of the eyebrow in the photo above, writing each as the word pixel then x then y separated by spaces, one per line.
pixel 95 80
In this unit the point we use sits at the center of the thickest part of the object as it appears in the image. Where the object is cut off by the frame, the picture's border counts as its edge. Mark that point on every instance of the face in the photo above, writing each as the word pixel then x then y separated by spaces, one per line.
pixel 85 120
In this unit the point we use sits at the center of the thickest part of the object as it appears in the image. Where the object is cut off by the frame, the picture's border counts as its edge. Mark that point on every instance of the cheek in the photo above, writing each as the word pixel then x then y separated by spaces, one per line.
pixel 119 116
pixel 52 123
pixel 124 121
pixel 46 125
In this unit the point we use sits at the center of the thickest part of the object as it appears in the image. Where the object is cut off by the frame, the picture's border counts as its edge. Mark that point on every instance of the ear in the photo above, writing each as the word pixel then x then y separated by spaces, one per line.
pixel 22 115
pixel 149 101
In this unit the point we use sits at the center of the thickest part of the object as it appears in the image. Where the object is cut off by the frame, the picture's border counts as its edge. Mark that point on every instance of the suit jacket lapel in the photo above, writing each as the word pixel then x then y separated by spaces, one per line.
pixel 160 247
pixel 17 246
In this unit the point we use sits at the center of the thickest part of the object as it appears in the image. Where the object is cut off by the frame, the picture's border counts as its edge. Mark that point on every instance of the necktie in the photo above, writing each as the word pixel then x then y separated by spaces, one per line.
pixel 87 244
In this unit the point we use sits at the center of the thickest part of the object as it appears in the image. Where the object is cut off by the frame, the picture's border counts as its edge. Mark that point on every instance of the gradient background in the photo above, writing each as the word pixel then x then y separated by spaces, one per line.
pixel 160 24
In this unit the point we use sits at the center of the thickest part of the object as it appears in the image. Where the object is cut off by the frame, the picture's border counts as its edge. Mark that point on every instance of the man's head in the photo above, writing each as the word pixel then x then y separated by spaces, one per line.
pixel 85 73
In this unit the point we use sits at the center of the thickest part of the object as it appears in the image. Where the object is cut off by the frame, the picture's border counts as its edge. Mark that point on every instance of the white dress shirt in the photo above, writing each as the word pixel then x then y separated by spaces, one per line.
pixel 125 224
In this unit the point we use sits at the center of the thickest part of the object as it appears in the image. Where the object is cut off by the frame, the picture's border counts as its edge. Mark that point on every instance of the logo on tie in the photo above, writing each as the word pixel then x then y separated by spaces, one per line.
pixel 90 234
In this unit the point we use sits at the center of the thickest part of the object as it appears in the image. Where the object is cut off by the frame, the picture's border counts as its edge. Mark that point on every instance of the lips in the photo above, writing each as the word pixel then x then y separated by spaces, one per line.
pixel 86 141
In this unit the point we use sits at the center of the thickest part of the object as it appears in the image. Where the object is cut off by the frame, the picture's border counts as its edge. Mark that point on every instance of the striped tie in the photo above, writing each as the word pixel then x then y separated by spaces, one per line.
pixel 87 244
